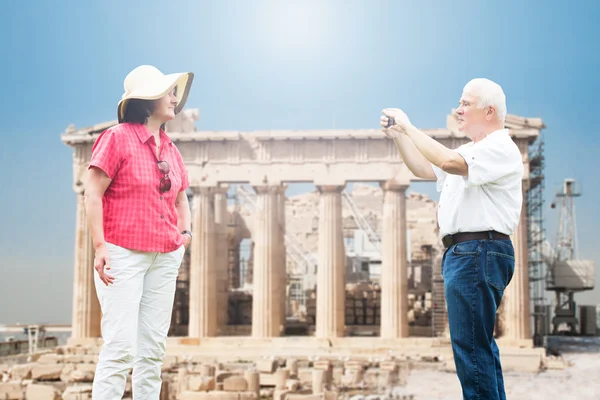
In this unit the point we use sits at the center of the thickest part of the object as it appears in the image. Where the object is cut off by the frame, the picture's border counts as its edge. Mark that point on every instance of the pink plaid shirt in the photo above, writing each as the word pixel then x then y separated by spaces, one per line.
pixel 135 214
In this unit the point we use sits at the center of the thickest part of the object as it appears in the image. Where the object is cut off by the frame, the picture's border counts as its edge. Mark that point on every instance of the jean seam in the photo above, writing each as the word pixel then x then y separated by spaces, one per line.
pixel 473 306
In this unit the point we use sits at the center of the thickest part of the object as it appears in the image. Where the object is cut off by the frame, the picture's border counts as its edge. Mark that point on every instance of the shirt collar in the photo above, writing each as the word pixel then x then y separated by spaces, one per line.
pixel 144 134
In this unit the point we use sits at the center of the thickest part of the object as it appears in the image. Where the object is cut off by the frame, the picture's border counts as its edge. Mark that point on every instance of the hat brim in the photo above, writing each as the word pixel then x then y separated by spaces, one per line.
pixel 159 88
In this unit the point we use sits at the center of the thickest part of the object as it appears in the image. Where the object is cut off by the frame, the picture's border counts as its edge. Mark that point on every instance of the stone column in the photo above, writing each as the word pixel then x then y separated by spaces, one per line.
pixel 234 263
pixel 282 252
pixel 222 254
pixel 266 298
pixel 331 265
pixel 394 272
pixel 86 308
pixel 516 302
pixel 203 271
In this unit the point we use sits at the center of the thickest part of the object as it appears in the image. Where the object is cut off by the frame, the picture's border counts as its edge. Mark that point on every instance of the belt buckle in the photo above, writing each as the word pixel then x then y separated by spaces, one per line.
pixel 447 241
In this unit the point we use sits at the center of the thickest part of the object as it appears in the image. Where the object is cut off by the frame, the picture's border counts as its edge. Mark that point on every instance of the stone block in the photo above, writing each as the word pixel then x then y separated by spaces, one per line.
pixel 73 359
pixel 50 359
pixel 214 395
pixel 292 365
pixel 281 376
pixel 11 391
pixel 40 391
pixel 90 358
pixel 81 376
pixel 78 392
pixel 20 372
pixel 66 372
pixel 235 384
pixel 222 375
pixel 295 396
pixel 292 384
pixel 253 379
pixel 281 394
pixel 266 366
pixel 248 396
pixel 46 372
pixel 169 362
pixel 388 366
pixel 323 364
pixel 267 379
pixel 305 375
pixel 200 383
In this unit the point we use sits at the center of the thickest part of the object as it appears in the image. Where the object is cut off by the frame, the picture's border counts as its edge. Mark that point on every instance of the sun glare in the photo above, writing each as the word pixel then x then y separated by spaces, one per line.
pixel 294 24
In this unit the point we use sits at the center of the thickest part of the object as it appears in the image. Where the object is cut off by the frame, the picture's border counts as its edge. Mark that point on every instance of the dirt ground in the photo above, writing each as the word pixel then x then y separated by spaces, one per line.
pixel 579 381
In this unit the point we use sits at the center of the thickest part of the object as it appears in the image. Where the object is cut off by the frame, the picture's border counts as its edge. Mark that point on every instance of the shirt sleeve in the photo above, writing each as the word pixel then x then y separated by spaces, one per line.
pixel 490 162
pixel 185 182
pixel 441 177
pixel 106 153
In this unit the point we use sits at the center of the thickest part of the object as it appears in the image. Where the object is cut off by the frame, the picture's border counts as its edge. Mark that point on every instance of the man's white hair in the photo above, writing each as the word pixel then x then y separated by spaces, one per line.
pixel 488 93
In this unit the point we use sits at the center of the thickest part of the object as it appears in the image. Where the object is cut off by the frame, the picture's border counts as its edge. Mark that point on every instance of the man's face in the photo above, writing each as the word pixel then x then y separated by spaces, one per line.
pixel 471 120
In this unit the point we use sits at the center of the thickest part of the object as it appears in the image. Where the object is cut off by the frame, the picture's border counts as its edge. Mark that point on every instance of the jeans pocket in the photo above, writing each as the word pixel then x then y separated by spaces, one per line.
pixel 499 269
pixel 467 248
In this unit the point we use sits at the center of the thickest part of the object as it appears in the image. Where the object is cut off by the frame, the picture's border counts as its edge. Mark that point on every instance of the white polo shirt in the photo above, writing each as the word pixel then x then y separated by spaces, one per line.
pixel 490 198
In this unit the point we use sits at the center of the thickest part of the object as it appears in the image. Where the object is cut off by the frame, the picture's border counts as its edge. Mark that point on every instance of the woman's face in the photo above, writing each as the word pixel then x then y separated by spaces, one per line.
pixel 164 108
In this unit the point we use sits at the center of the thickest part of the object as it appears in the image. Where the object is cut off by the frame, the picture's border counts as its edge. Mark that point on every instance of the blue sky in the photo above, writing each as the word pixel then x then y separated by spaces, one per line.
pixel 274 65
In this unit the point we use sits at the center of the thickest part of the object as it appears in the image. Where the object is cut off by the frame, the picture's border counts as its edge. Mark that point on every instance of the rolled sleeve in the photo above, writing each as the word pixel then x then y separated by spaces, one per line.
pixel 441 177
pixel 106 154
pixel 488 164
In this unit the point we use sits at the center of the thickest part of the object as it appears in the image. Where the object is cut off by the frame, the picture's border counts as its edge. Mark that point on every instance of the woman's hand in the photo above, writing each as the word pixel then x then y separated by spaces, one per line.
pixel 102 264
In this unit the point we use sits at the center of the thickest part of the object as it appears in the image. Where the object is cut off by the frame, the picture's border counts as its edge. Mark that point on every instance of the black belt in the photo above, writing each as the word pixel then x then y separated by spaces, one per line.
pixel 450 240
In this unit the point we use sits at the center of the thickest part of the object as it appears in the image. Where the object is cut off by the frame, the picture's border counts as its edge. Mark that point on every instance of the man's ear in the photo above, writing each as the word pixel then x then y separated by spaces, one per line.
pixel 490 112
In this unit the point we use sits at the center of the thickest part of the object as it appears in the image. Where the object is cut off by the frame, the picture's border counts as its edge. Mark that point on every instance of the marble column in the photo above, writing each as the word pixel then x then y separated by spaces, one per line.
pixel 282 252
pixel 86 308
pixel 266 297
pixel 516 301
pixel 203 271
pixel 222 254
pixel 331 264
pixel 394 267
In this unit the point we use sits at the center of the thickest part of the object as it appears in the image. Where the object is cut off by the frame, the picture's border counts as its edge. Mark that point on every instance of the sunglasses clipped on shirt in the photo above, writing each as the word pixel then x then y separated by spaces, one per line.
pixel 165 182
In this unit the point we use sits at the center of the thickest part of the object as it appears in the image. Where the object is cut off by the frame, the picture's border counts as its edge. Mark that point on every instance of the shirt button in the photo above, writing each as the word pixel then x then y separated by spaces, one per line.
pixel 161 197
pixel 162 216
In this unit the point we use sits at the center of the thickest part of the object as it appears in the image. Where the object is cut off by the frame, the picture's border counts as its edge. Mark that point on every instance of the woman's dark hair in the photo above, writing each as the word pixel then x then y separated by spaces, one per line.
pixel 138 111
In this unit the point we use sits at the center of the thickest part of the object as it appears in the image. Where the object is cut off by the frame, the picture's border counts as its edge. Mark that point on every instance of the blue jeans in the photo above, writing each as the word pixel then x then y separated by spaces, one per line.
pixel 476 272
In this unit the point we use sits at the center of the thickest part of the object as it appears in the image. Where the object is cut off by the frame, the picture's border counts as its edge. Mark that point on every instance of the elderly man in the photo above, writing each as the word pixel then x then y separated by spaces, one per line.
pixel 480 204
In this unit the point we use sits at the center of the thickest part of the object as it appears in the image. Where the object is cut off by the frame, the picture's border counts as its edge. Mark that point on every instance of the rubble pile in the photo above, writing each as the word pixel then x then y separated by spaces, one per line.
pixel 69 372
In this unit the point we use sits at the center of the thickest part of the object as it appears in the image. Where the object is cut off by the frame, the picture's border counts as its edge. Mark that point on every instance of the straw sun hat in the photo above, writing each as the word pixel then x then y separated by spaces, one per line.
pixel 148 83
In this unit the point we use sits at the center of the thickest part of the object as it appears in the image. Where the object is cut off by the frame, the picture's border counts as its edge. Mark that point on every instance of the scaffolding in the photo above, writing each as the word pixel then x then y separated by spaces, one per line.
pixel 536 239
pixel 362 222
pixel 304 260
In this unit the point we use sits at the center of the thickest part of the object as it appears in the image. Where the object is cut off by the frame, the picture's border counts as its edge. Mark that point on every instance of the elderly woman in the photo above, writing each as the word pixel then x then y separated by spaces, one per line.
pixel 139 218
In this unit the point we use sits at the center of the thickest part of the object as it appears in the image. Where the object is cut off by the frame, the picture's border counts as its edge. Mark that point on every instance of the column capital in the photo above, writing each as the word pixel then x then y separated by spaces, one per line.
pixel 393 185
pixel 222 189
pixel 269 189
pixel 202 190
pixel 330 188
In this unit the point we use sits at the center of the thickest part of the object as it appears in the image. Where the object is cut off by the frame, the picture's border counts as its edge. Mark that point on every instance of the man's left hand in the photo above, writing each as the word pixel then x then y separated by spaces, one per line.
pixel 401 122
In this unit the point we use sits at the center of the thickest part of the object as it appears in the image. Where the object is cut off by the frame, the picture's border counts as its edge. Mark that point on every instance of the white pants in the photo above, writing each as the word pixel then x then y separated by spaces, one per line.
pixel 136 315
